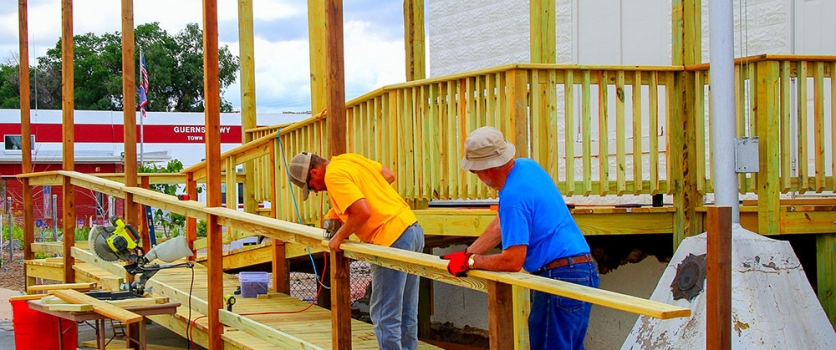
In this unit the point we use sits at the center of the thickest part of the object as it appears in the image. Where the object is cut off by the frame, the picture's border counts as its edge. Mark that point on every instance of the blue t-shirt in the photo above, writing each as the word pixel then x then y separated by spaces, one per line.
pixel 532 212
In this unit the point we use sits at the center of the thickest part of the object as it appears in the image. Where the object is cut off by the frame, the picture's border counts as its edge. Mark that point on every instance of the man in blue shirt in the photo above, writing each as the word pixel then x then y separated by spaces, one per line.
pixel 537 233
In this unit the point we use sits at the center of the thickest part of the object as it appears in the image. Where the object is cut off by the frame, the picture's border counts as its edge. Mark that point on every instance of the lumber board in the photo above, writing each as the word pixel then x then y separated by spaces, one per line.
pixel 27 297
pixel 99 307
pixel 88 257
pixel 274 336
pixel 435 268
pixel 69 307
pixel 48 287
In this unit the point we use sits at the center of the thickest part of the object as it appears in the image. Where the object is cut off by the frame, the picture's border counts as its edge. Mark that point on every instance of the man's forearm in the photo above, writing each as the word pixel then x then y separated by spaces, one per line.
pixel 488 240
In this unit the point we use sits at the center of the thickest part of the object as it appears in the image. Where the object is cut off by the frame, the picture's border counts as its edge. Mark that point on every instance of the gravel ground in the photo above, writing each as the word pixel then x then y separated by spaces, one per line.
pixel 11 282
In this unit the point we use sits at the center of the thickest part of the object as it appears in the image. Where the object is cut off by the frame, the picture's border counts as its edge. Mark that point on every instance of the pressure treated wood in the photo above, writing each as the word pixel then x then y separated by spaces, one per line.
pixel 100 307
pixel 718 284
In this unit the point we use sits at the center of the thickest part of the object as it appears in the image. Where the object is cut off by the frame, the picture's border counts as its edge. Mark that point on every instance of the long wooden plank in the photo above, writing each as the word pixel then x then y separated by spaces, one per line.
pixel 433 267
pixel 274 336
pixel 99 307
pixel 64 286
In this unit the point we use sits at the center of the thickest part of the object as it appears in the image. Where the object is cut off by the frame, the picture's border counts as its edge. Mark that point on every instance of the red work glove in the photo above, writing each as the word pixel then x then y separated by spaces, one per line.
pixel 458 263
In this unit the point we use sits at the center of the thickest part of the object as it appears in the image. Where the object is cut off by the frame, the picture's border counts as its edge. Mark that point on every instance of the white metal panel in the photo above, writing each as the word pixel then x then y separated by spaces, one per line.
pixel 599 34
pixel 815 27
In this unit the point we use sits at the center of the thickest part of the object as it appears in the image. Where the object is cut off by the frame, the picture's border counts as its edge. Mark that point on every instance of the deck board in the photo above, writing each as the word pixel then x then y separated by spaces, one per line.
pixel 312 325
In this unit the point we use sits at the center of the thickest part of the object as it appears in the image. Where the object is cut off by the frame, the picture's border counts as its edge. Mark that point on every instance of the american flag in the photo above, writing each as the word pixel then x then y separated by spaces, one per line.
pixel 143 85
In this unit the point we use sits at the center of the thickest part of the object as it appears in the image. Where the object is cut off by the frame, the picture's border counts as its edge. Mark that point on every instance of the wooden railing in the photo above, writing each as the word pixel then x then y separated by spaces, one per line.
pixel 793 121
pixel 497 284
pixel 598 130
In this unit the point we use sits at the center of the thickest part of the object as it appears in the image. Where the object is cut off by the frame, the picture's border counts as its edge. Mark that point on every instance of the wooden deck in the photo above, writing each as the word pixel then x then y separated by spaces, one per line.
pixel 277 321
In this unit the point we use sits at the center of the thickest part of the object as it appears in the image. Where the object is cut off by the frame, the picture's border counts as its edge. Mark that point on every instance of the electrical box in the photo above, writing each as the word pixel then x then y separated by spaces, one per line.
pixel 746 155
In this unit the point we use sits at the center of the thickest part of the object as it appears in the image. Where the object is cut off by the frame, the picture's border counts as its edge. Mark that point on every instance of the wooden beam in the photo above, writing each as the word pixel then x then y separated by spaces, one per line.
pixel 99 307
pixel 75 286
pixel 768 115
pixel 68 134
pixel 317 38
pixel 129 111
pixel 543 31
pixel 25 131
pixel 336 77
pixel 435 268
pixel 718 280
pixel 340 301
pixel 281 269
pixel 500 316
pixel 274 336
pixel 413 13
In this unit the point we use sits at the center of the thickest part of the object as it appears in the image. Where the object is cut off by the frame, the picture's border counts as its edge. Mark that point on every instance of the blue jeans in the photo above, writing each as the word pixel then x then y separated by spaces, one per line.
pixel 557 322
pixel 394 300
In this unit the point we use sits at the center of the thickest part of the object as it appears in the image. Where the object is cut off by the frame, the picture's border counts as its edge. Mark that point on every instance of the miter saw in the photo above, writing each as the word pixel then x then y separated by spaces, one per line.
pixel 119 242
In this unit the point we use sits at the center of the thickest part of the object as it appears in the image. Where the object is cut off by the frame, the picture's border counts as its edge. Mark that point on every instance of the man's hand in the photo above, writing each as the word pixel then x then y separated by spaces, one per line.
pixel 331 226
pixel 458 263
pixel 334 244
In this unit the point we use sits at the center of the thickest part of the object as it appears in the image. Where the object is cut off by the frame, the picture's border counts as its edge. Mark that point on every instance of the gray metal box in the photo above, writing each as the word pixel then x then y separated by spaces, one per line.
pixel 746 155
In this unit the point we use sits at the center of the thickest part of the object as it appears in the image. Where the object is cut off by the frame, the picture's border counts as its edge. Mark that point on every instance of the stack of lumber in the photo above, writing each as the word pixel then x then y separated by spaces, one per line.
pixel 68 297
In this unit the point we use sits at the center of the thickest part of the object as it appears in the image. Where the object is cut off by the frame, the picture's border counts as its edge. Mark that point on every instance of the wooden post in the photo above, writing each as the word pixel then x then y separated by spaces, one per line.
pixel 718 279
pixel 825 278
pixel 543 31
pixel 768 128
pixel 145 233
pixel 413 22
pixel 515 127
pixel 500 316
pixel 340 301
pixel 68 132
pixel 687 50
pixel 132 214
pixel 191 223
pixel 522 309
pixel 248 116
pixel 281 269
pixel 212 112
pixel 317 38
pixel 25 132
pixel 336 76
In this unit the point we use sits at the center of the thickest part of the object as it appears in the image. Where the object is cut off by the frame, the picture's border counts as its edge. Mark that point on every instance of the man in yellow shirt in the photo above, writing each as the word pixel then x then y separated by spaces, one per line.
pixel 366 205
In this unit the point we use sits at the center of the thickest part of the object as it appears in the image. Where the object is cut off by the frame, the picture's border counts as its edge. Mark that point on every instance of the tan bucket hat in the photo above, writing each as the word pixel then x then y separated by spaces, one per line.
pixel 299 174
pixel 486 148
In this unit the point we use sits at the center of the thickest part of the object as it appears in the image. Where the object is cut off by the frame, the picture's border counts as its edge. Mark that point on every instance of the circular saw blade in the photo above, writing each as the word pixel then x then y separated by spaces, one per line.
pixel 97 243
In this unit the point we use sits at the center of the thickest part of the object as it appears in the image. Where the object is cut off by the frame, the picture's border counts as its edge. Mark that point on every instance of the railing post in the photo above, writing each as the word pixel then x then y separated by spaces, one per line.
pixel 340 301
pixel 515 126
pixel 138 214
pixel 501 316
pixel 768 126
pixel 718 280
pixel 682 159
pixel 522 308
pixel 191 222
pixel 28 229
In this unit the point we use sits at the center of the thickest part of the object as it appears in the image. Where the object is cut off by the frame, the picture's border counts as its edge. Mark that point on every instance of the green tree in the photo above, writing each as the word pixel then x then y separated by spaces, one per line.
pixel 174 65
pixel 171 222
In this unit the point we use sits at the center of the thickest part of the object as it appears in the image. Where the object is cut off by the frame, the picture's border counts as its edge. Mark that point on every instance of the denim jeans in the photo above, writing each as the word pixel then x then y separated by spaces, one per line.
pixel 394 300
pixel 560 323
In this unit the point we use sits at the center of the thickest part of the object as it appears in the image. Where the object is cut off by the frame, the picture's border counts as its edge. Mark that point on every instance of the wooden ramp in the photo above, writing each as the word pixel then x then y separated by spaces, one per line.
pixel 277 321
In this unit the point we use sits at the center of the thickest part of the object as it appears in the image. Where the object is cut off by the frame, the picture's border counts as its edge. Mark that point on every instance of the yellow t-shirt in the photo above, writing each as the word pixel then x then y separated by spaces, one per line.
pixel 350 177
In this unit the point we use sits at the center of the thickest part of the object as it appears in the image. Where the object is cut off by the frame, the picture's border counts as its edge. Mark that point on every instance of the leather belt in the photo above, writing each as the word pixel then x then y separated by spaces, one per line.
pixel 561 262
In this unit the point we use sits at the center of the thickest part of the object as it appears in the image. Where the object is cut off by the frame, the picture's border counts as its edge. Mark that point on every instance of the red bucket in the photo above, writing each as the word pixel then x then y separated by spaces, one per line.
pixel 37 330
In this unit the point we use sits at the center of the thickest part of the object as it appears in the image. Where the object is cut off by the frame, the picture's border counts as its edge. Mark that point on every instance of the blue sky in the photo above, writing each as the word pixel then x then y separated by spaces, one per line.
pixel 373 34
